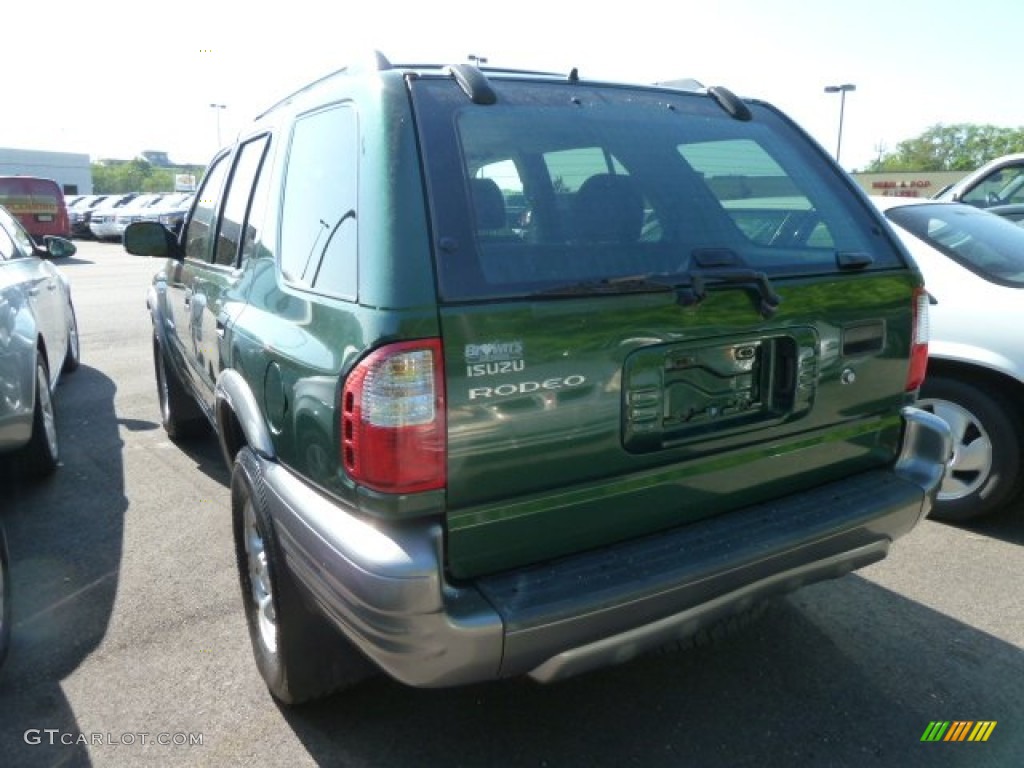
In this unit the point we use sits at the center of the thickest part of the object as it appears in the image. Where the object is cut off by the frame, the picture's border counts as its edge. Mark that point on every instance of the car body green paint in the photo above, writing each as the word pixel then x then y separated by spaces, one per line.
pixel 651 314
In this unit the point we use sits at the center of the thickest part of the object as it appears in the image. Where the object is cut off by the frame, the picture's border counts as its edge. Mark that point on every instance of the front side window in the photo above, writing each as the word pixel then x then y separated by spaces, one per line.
pixel 199 236
pixel 558 184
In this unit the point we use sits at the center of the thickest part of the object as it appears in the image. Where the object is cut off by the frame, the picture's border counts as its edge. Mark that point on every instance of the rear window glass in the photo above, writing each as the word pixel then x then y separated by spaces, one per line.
pixel 556 184
pixel 983 242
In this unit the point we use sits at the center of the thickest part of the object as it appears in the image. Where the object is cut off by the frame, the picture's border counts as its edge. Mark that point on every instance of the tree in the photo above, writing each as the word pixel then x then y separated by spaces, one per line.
pixel 137 175
pixel 958 147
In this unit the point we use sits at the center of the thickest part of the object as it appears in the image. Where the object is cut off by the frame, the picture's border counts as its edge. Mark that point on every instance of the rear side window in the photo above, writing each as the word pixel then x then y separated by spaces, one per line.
pixel 560 184
pixel 318 214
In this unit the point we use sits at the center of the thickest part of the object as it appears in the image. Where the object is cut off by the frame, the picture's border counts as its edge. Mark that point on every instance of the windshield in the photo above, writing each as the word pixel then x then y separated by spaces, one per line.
pixel 560 184
pixel 983 242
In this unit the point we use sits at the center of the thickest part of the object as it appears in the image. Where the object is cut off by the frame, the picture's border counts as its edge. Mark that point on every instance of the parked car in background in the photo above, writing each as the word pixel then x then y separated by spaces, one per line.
pixel 38 204
pixel 38 343
pixel 80 213
pixel 467 446
pixel 139 208
pixel 103 222
pixel 170 211
pixel 997 186
pixel 973 264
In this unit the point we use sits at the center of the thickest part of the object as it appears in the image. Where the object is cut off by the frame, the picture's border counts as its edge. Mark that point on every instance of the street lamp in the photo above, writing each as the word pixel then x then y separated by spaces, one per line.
pixel 841 90
pixel 218 108
pixel 478 60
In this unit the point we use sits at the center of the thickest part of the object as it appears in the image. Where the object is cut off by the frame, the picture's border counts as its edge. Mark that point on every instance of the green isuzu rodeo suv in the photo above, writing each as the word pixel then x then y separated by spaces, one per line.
pixel 520 373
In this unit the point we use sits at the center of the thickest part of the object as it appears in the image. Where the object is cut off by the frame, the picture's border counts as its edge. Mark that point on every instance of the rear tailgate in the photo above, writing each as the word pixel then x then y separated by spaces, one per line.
pixel 649 315
pixel 578 422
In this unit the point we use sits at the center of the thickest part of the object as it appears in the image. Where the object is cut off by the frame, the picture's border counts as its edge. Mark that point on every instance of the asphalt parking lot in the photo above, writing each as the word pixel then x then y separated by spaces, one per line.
pixel 129 644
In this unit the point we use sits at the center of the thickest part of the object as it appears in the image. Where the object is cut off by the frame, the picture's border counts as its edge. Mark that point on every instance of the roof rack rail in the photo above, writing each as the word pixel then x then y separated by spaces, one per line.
pixel 682 84
pixel 374 61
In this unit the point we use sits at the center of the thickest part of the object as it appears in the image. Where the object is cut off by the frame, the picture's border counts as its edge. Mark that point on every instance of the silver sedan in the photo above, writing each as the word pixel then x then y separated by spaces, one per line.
pixel 38 342
pixel 973 265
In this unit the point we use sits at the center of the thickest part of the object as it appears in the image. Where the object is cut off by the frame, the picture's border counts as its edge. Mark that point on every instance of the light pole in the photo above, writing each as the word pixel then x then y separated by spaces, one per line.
pixel 218 108
pixel 478 60
pixel 841 90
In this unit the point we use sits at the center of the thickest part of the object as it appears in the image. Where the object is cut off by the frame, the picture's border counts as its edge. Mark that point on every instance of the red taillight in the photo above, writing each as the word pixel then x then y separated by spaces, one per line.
pixel 919 341
pixel 393 434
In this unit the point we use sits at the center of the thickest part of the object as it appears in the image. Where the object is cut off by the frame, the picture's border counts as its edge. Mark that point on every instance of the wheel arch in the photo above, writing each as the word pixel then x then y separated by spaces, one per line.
pixel 1010 388
pixel 156 314
pixel 239 419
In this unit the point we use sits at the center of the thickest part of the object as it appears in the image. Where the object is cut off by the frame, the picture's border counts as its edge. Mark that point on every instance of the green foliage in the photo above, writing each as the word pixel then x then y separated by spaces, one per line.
pixel 959 147
pixel 137 175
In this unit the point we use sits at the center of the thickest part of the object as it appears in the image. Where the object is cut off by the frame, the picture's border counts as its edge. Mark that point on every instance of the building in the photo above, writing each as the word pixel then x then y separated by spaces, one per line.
pixel 907 183
pixel 71 170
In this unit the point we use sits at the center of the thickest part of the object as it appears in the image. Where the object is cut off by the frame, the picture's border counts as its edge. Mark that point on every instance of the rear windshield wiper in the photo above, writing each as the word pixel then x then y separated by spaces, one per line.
pixel 770 300
pixel 682 285
pixel 689 287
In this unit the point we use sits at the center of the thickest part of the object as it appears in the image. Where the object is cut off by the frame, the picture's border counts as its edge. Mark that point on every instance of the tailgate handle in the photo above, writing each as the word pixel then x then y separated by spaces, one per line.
pixel 863 338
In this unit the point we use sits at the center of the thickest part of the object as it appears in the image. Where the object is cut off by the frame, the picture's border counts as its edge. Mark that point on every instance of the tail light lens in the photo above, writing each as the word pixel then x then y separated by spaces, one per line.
pixel 919 341
pixel 393 419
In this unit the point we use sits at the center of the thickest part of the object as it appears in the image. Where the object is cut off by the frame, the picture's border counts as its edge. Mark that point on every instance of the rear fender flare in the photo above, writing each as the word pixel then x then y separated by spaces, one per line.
pixel 236 400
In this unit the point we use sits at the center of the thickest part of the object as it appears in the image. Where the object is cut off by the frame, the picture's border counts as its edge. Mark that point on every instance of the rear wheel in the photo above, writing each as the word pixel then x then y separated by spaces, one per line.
pixel 300 656
pixel 39 456
pixel 983 475
pixel 179 413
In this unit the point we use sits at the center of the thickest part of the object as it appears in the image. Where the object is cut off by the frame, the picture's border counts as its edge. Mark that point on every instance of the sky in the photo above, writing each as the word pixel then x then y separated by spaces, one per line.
pixel 111 78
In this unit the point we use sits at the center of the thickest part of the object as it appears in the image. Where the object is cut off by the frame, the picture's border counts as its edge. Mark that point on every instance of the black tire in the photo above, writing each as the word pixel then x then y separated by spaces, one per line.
pixel 73 356
pixel 984 473
pixel 5 596
pixel 299 654
pixel 39 457
pixel 179 412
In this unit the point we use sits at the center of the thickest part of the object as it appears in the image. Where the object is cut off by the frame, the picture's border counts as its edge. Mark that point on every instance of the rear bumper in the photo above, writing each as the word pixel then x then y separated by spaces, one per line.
pixel 385 586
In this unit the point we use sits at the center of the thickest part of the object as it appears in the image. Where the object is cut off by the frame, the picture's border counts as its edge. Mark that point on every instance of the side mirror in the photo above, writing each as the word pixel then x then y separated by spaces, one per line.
pixel 148 238
pixel 59 247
